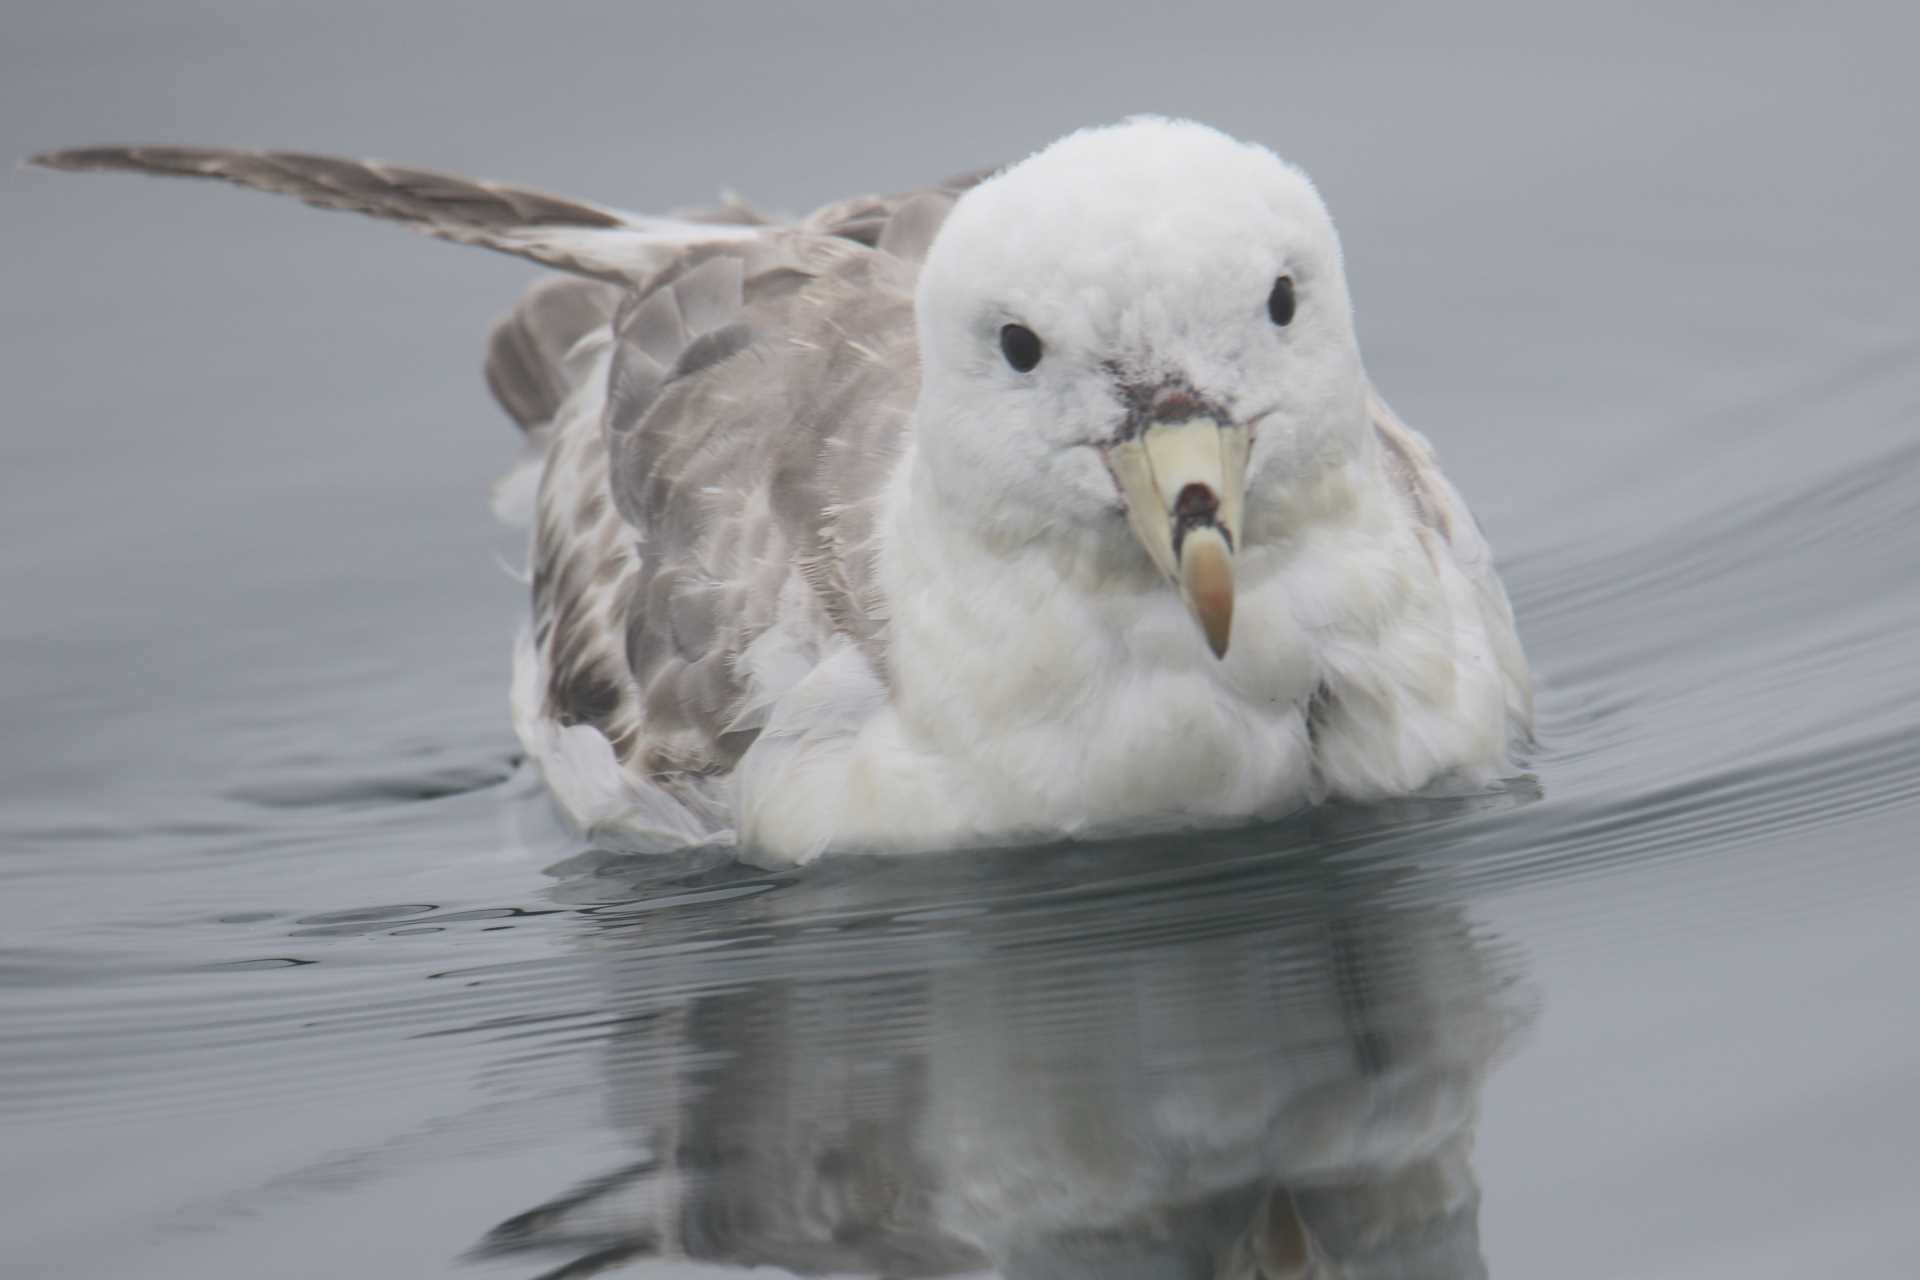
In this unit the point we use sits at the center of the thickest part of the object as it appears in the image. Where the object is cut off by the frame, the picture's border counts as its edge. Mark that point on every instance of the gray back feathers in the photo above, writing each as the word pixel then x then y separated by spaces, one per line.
pixel 756 400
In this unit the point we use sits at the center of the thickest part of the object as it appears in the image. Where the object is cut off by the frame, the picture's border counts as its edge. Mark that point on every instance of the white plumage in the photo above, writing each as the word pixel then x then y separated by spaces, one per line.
pixel 818 564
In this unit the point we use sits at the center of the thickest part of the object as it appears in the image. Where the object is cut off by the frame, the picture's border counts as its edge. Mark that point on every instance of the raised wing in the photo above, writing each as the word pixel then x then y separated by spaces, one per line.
pixel 719 407
pixel 571 235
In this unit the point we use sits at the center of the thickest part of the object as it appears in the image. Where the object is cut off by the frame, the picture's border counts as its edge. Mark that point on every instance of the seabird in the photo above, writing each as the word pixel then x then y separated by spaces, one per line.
pixel 1048 503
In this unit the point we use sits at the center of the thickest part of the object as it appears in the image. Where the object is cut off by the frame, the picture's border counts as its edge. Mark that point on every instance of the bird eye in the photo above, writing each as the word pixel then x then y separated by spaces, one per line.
pixel 1021 346
pixel 1280 301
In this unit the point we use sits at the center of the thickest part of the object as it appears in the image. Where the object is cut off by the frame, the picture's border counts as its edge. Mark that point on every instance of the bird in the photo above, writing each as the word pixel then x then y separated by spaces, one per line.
pixel 1051 502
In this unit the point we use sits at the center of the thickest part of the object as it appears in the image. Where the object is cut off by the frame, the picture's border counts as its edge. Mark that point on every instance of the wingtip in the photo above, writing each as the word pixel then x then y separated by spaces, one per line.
pixel 71 158
pixel 136 158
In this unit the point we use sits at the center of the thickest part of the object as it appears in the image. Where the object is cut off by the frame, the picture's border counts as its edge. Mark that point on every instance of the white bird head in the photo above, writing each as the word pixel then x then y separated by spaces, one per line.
pixel 1144 326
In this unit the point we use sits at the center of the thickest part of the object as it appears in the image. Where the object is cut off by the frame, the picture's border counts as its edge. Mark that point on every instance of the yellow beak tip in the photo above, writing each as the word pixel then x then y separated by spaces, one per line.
pixel 1206 573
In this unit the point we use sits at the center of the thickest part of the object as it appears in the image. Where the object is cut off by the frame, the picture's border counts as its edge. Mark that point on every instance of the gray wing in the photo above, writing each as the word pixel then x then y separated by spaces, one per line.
pixel 527 351
pixel 709 534
pixel 572 235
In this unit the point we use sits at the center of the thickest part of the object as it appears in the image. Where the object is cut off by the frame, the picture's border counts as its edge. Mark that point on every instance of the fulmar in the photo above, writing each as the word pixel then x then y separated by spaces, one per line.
pixel 1047 503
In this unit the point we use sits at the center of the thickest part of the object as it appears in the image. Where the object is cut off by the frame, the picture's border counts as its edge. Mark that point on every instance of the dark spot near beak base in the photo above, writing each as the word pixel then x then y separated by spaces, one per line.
pixel 1197 507
pixel 1196 502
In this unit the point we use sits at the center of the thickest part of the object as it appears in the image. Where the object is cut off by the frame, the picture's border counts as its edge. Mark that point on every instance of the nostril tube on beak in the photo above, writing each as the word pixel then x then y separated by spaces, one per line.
pixel 1196 507
pixel 1196 502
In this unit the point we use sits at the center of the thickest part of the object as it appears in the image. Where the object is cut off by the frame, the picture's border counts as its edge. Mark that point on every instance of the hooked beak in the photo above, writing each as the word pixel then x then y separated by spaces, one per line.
pixel 1184 484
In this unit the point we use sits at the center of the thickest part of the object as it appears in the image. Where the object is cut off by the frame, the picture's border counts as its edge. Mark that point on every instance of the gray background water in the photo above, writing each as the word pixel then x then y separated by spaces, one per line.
pixel 1646 275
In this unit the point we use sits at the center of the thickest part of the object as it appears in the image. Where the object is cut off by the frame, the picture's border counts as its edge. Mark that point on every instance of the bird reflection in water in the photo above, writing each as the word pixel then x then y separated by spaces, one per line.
pixel 1202 1059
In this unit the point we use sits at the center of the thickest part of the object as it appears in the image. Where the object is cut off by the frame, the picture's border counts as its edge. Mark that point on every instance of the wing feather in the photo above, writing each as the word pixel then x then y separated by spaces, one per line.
pixel 527 351
pixel 571 235
pixel 755 400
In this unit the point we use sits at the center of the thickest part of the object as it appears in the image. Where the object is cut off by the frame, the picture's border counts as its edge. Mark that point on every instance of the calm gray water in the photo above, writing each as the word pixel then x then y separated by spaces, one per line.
pixel 299 978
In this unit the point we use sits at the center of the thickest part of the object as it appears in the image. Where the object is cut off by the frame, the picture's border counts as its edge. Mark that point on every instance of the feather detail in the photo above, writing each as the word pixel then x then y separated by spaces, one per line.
pixel 571 235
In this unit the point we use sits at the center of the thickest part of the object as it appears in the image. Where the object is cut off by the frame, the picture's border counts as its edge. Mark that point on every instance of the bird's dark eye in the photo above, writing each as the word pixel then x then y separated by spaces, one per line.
pixel 1280 301
pixel 1020 345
